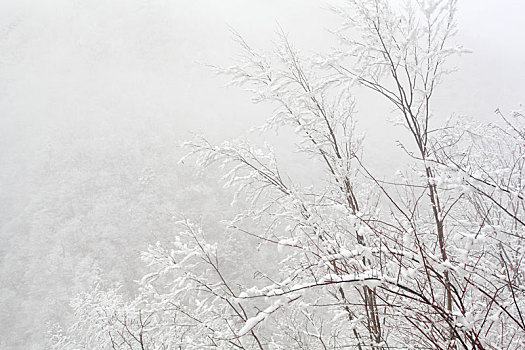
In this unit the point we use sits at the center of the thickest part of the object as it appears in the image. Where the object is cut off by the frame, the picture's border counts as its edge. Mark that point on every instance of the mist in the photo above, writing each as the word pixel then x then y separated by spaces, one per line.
pixel 97 96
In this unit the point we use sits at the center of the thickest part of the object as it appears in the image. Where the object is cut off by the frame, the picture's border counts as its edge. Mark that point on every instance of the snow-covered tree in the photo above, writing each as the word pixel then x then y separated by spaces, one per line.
pixel 430 259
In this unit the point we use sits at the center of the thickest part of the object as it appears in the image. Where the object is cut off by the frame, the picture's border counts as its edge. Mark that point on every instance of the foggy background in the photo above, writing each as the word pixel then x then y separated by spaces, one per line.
pixel 96 95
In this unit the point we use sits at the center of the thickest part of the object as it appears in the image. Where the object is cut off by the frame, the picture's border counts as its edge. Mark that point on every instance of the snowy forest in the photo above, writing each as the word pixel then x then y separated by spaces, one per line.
pixel 345 174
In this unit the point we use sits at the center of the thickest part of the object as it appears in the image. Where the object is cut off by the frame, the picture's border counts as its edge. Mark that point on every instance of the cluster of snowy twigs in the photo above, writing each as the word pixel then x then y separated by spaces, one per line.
pixel 431 259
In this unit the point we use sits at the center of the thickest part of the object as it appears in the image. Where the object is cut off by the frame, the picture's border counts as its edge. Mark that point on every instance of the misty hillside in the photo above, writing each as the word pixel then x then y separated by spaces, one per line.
pixel 97 99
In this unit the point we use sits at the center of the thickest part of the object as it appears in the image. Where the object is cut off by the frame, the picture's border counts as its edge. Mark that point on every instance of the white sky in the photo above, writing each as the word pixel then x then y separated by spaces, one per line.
pixel 99 67
pixel 131 69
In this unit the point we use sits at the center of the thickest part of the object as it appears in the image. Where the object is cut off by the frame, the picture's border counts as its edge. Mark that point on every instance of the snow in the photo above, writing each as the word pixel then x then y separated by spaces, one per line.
pixel 261 316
